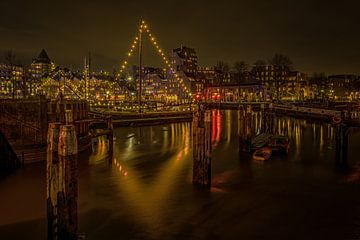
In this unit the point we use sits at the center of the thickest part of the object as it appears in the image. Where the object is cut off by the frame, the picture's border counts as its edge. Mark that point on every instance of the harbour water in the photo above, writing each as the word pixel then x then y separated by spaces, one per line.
pixel 146 191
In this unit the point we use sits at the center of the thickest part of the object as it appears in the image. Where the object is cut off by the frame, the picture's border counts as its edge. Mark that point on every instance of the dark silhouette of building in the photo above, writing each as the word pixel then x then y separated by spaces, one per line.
pixel 41 66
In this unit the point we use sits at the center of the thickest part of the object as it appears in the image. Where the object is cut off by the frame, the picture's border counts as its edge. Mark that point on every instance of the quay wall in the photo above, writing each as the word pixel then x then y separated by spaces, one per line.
pixel 24 123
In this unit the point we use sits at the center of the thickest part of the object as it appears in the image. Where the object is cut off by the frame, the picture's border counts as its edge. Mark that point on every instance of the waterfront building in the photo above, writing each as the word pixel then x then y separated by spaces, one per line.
pixel 185 63
pixel 185 59
pixel 282 81
pixel 319 87
pixel 11 80
pixel 41 66
pixel 251 91
pixel 344 87
pixel 274 79
pixel 207 74
pixel 295 86
pixel 158 84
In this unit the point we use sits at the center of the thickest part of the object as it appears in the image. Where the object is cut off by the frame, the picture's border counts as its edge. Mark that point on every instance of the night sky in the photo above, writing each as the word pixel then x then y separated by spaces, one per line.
pixel 317 35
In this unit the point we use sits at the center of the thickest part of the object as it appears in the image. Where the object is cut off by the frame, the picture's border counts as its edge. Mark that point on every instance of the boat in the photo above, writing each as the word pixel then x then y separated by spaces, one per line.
pixel 131 135
pixel 262 154
pixel 260 140
pixel 279 143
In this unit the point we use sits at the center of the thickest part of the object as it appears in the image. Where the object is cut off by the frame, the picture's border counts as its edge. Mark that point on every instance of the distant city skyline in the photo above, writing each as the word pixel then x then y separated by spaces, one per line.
pixel 319 36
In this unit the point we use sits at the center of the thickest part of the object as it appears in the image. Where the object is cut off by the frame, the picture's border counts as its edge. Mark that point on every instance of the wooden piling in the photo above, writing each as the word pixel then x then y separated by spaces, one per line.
pixel 341 144
pixel 68 149
pixel 62 177
pixel 53 183
pixel 245 133
pixel 202 148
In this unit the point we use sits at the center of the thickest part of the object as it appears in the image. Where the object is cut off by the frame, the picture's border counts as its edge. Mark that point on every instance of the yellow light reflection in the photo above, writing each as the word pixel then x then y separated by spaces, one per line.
pixel 148 199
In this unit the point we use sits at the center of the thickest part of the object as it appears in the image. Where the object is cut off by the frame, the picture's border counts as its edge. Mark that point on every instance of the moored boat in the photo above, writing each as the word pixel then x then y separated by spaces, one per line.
pixel 262 154
pixel 279 143
pixel 260 140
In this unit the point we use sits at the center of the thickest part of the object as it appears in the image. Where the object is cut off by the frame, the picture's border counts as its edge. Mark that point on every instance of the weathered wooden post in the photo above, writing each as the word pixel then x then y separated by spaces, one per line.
pixel 341 144
pixel 248 122
pixel 68 149
pixel 53 180
pixel 245 133
pixel 62 187
pixel 241 130
pixel 202 147
pixel 270 120
pixel 263 118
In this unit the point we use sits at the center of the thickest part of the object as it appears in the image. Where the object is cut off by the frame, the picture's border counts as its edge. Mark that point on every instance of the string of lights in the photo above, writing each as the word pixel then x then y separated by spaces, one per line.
pixel 145 27
pixel 78 87
pixel 129 53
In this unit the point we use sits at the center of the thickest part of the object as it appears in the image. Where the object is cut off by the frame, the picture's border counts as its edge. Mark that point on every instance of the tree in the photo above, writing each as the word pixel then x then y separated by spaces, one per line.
pixel 222 70
pixel 240 68
pixel 281 66
pixel 10 59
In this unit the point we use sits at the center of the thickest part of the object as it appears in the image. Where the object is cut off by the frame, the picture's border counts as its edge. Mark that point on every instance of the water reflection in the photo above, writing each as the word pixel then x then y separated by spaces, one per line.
pixel 146 193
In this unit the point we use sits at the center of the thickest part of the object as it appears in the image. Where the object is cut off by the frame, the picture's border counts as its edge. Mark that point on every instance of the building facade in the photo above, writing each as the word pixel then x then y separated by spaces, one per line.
pixel 11 80
pixel 41 66
pixel 185 63
pixel 344 87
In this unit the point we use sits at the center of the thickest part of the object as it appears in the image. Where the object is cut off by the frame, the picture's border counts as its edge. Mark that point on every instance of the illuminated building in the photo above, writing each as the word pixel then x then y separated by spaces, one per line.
pixel 185 61
pixel 290 85
pixel 155 83
pixel 207 74
pixel 344 87
pixel 10 75
pixel 41 66
pixel 249 92
pixel 295 86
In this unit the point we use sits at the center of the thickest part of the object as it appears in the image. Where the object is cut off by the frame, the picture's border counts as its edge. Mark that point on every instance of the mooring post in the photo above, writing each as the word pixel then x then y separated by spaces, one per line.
pixel 241 130
pixel 67 202
pixel 62 187
pixel 341 144
pixel 263 118
pixel 337 143
pixel 202 147
pixel 249 126
pixel 245 121
pixel 53 183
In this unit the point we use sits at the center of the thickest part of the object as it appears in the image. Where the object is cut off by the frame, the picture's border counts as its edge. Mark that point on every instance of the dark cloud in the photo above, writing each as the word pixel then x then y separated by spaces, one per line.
pixel 317 35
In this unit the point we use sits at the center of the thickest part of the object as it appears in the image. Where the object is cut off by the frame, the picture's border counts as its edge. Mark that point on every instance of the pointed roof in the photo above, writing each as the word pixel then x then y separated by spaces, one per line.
pixel 43 58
